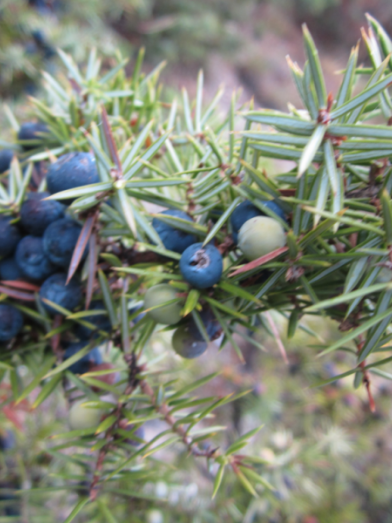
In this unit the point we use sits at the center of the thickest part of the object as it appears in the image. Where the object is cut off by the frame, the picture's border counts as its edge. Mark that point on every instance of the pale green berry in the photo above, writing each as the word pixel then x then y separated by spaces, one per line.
pixel 159 294
pixel 84 417
pixel 260 236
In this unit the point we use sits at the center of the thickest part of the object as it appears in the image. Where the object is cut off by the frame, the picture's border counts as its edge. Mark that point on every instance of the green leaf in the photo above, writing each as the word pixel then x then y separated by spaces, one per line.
pixel 127 209
pixel 69 361
pixel 139 142
pixel 107 298
pixel 77 509
pixel 47 390
pixel 315 67
pixel 378 330
pixel 106 512
pixel 362 98
pixel 252 475
pixel 194 385
pixel 150 153
pixel 245 482
pixel 87 190
pixel 386 206
pixel 199 101
pixel 349 77
pixel 106 424
pixel 218 225
pixel 218 480
pixel 311 148
pixel 374 320
pixel 291 124
pixel 355 273
pixel 191 302
pixel 343 298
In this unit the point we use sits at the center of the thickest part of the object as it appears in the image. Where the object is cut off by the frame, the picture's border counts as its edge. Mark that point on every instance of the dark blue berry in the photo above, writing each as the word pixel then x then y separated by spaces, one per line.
pixel 6 156
pixel 39 37
pixel 201 266
pixel 9 270
pixel 32 259
pixel 9 236
pixel 83 364
pixel 31 133
pixel 7 440
pixel 246 210
pixel 174 239
pixel 11 322
pixel 37 213
pixel 60 239
pixel 101 322
pixel 56 290
pixel 72 170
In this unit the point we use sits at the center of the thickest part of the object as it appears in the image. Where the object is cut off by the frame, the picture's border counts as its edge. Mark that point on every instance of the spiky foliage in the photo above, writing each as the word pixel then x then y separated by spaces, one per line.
pixel 181 155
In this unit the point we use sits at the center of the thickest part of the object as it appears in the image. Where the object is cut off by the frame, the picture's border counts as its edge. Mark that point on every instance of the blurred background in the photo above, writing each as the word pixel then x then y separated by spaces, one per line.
pixel 327 455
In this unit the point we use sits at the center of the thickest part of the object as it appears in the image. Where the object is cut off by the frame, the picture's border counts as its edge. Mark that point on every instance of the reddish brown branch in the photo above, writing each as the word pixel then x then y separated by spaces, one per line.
pixel 366 379
pixel 133 382
pixel 164 410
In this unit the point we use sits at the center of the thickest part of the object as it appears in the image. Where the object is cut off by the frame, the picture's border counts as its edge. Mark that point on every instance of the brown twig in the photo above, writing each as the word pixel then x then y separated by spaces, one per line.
pixel 366 378
pixel 133 382
pixel 164 410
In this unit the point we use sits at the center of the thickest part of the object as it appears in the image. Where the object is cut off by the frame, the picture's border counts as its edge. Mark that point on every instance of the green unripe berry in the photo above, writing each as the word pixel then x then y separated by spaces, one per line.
pixel 159 294
pixel 83 417
pixel 260 236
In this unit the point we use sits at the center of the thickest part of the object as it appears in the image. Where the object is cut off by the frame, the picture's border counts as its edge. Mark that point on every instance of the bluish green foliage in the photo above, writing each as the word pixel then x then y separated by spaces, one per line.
pixel 151 156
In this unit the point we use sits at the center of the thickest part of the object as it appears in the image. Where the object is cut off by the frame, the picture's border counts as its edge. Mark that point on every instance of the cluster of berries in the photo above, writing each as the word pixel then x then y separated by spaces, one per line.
pixel 202 266
pixel 38 243
pixel 37 246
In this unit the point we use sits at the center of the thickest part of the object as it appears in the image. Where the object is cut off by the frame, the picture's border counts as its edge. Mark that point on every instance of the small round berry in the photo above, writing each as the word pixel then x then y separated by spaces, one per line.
pixel 246 210
pixel 9 236
pixel 186 345
pixel 100 321
pixel 81 416
pixel 60 239
pixel 201 266
pixel 37 213
pixel 85 362
pixel 9 270
pixel 6 156
pixel 31 133
pixel 11 322
pixel 32 259
pixel 55 289
pixel 158 295
pixel 173 239
pixel 260 236
pixel 72 170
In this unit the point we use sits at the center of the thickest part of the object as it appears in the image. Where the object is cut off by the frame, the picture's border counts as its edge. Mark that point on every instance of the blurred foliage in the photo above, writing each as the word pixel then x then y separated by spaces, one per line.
pixel 175 30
